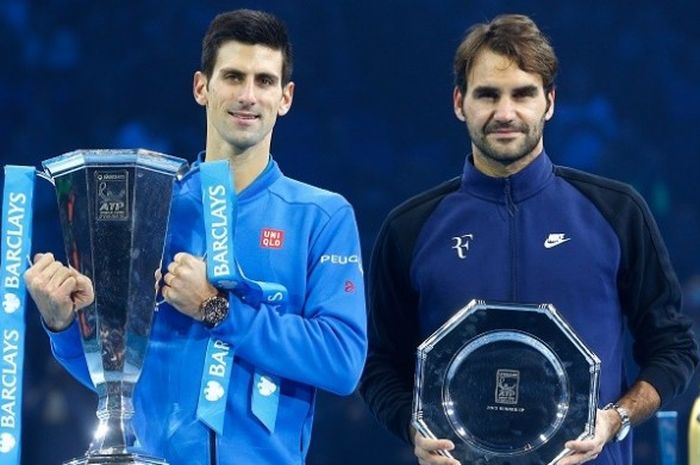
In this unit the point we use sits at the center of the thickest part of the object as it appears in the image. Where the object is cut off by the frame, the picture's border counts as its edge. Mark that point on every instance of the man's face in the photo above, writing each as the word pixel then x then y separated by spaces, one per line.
pixel 243 97
pixel 505 109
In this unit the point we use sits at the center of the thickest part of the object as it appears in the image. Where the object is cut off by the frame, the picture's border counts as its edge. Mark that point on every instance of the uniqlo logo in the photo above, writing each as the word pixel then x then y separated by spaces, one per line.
pixel 271 238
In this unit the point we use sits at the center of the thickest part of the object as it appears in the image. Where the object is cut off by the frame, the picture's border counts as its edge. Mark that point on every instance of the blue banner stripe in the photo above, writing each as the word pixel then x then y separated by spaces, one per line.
pixel 211 407
pixel 220 211
pixel 18 194
pixel 266 399
pixel 220 205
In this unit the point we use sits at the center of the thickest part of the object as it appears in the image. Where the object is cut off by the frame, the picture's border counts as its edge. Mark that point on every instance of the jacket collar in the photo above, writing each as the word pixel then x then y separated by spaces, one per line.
pixel 270 174
pixel 523 184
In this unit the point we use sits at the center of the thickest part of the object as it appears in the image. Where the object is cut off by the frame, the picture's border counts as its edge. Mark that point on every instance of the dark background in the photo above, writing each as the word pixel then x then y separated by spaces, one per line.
pixel 372 119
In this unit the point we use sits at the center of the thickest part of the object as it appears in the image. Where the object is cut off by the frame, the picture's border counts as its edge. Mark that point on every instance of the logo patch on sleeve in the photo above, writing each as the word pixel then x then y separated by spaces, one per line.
pixel 271 238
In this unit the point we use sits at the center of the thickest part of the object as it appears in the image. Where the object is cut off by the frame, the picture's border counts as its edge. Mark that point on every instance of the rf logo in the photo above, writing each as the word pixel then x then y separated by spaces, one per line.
pixel 462 244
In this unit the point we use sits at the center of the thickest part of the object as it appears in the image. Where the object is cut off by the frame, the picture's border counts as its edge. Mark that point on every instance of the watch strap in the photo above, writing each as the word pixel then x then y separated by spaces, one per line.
pixel 625 423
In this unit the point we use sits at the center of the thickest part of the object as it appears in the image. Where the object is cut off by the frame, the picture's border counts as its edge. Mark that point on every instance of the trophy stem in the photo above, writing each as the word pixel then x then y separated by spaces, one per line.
pixel 115 431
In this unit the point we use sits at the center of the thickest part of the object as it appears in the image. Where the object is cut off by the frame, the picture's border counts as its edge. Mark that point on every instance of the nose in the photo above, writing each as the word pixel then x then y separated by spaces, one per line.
pixel 247 94
pixel 505 110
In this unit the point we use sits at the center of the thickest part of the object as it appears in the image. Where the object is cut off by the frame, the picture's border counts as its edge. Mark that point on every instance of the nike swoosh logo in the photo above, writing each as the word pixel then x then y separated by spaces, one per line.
pixel 549 244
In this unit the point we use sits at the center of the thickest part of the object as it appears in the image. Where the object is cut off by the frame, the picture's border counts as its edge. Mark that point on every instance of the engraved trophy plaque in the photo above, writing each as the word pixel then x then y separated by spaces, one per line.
pixel 114 207
pixel 508 384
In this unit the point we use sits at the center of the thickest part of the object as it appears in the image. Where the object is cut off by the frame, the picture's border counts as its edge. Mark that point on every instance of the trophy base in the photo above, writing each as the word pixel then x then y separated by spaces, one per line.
pixel 117 459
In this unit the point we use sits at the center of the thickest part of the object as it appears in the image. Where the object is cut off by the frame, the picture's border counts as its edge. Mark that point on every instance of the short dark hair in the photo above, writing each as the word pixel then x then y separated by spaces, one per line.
pixel 514 36
pixel 250 27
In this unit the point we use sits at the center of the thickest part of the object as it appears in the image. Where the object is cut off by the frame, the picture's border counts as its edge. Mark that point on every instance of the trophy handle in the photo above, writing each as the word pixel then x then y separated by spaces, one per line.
pixel 46 176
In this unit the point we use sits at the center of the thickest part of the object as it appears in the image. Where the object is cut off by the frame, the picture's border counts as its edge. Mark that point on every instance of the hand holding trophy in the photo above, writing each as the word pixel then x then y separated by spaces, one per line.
pixel 506 384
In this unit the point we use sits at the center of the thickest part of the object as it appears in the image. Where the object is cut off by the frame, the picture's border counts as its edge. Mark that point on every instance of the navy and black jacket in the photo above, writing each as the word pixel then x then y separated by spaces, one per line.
pixel 547 234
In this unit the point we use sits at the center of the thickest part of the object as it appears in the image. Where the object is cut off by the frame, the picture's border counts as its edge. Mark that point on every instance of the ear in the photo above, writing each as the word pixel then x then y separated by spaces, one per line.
pixel 458 104
pixel 199 88
pixel 287 97
pixel 550 104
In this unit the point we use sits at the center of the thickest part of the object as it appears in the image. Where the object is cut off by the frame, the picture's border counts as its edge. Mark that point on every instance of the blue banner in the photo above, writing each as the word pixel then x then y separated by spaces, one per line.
pixel 211 407
pixel 18 194
pixel 220 211
pixel 220 205
pixel 266 399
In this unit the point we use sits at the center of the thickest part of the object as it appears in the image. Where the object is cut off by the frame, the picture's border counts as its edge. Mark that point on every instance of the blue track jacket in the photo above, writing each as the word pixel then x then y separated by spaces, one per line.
pixel 317 340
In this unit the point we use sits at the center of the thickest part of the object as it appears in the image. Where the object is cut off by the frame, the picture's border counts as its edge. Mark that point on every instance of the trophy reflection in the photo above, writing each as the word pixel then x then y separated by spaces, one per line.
pixel 114 207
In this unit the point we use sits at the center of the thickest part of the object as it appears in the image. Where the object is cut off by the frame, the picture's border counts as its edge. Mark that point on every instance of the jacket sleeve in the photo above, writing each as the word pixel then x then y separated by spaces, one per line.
pixel 664 344
pixel 67 348
pixel 387 381
pixel 325 344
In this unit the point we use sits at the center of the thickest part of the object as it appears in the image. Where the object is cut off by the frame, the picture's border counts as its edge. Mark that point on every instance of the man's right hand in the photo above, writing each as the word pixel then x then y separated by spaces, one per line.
pixel 57 290
pixel 426 450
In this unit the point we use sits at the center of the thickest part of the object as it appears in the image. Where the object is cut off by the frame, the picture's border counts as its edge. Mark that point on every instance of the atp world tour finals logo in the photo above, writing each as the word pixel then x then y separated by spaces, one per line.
pixel 507 386
pixel 112 195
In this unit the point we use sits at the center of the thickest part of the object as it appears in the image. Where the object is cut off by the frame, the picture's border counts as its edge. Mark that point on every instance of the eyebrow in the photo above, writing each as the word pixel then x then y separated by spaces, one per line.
pixel 522 90
pixel 274 78
pixel 231 70
pixel 482 90
pixel 526 90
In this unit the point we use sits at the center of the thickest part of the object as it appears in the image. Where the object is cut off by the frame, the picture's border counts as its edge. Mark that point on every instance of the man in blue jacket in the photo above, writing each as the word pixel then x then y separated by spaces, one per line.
pixel 288 232
pixel 515 227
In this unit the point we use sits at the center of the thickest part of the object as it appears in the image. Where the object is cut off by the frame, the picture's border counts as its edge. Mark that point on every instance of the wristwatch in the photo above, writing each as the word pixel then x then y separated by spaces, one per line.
pixel 214 310
pixel 624 418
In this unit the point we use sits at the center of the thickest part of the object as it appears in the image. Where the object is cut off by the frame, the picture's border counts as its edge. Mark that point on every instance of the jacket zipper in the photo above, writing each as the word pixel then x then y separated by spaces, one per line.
pixel 212 448
pixel 513 239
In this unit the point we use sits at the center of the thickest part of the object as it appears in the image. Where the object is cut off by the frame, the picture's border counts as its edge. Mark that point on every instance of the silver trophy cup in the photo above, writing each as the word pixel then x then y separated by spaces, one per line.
pixel 114 208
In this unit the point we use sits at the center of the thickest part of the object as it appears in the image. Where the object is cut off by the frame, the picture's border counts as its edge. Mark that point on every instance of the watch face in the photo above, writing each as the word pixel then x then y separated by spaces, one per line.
pixel 622 434
pixel 215 310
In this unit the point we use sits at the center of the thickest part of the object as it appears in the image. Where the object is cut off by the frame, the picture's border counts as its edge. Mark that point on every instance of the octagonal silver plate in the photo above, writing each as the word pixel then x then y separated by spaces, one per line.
pixel 507 383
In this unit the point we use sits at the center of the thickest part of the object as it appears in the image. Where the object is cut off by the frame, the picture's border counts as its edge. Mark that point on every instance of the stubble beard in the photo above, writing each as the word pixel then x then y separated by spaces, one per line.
pixel 507 155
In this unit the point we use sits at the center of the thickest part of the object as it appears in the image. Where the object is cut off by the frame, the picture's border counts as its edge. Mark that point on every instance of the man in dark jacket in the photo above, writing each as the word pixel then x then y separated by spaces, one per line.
pixel 514 227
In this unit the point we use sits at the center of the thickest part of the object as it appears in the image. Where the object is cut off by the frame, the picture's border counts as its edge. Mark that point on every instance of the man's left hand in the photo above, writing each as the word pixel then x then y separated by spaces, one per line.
pixel 607 423
pixel 185 285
